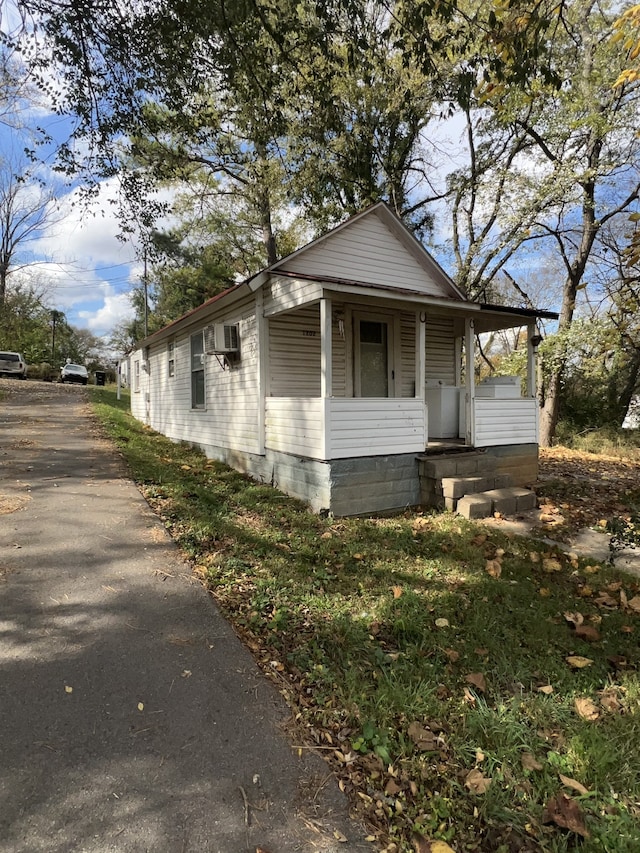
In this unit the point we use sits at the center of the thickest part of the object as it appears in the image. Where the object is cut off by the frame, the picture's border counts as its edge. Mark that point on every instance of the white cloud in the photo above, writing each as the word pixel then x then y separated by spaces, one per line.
pixel 115 309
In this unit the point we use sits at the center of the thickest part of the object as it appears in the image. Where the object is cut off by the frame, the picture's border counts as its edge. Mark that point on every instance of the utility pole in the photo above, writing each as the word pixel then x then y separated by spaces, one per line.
pixel 145 282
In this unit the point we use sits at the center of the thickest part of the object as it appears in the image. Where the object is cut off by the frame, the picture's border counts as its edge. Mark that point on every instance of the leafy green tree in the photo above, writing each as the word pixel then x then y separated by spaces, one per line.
pixel 567 164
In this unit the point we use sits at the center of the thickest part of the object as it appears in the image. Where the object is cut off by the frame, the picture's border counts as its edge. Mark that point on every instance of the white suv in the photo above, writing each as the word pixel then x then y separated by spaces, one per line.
pixel 12 364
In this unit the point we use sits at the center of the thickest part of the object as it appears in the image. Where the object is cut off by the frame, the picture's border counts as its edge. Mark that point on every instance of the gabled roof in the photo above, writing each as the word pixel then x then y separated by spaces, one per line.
pixel 373 247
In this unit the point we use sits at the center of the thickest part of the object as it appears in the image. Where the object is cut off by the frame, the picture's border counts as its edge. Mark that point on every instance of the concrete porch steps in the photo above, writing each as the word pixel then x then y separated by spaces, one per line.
pixel 468 484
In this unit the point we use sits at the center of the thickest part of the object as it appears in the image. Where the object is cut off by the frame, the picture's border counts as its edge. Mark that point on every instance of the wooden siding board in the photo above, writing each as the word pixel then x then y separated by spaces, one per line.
pixel 407 355
pixel 230 418
pixel 503 422
pixel 369 252
pixel 440 350
pixel 294 354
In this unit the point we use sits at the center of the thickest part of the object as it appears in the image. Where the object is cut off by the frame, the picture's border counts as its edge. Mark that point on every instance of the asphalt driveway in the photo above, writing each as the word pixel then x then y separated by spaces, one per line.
pixel 131 717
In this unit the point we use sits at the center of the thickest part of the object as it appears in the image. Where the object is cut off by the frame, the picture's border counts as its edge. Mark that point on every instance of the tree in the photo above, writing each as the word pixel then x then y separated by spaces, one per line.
pixel 27 208
pixel 569 165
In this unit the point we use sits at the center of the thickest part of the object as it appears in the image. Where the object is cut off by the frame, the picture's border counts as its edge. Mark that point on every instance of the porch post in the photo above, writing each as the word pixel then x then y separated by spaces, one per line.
pixel 531 360
pixel 421 336
pixel 326 381
pixel 262 332
pixel 470 381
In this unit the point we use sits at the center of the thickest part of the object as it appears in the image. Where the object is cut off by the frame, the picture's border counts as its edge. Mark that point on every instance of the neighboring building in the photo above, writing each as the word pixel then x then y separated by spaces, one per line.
pixel 331 372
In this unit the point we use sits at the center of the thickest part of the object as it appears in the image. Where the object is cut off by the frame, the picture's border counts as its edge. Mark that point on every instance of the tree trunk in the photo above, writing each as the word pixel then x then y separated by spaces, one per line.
pixel 549 410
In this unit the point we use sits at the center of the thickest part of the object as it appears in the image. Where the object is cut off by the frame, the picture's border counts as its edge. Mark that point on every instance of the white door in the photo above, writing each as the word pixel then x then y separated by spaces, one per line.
pixel 373 356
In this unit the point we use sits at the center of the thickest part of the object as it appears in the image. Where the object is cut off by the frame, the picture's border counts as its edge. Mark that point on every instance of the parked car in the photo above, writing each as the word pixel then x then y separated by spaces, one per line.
pixel 13 364
pixel 74 373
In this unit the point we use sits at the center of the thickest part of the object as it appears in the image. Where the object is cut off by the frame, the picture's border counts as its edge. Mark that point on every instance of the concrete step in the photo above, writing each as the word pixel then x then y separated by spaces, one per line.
pixel 506 501
pixel 453 465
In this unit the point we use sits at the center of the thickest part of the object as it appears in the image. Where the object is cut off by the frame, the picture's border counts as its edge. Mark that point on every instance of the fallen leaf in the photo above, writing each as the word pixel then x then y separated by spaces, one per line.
pixel 571 783
pixel 68 689
pixel 547 689
pixel 614 586
pixel 478 680
pixel 586 708
pixel 547 518
pixel 186 673
pixel 609 701
pixel 476 782
pixel 544 592
pixel 578 662
pixel 327 535
pixel 565 812
pixel 397 591
pixel 551 564
pixel 529 762
pixel 605 600
pixel 339 836
pixel 442 623
pixel 588 632
pixel 392 788
pixel 574 618
pixel 422 845
pixel 469 698
pixel 358 556
pixel 493 568
pixel 482 652
pixel 452 654
pixel 534 556
pixel 140 706
pixel 634 604
pixel 627 629
pixel 591 570
pixel 423 738
pixel 479 539
pixel 186 467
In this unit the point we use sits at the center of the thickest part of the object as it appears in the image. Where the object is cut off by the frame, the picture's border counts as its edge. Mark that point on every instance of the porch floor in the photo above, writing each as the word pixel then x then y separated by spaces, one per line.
pixel 439 446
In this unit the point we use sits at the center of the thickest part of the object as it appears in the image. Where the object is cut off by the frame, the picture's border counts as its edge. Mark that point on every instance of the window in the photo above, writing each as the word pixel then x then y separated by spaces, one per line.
pixel 197 371
pixel 136 375
pixel 171 358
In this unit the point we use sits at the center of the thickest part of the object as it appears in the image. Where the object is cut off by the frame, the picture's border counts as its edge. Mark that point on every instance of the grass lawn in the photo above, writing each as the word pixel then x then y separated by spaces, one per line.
pixel 465 687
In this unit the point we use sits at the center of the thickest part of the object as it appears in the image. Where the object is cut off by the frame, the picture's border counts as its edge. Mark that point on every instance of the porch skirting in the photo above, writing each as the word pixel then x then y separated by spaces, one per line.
pixel 363 484
pixel 355 486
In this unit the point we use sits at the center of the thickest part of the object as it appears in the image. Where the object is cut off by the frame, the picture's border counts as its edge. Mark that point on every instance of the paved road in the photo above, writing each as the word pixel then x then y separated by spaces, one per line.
pixel 131 717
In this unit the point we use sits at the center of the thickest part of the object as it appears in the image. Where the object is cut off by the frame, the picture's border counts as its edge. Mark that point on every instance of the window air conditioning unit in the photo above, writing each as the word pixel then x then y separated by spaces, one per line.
pixel 221 338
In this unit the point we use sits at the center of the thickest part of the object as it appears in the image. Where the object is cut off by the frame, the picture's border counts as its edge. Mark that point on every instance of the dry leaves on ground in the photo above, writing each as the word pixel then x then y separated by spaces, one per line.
pixel 583 488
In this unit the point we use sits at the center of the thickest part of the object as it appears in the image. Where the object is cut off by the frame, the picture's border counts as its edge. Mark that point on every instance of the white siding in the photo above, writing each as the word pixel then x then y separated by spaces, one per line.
pixel 294 354
pixel 353 426
pixel 295 425
pixel 230 416
pixel 440 350
pixel 287 294
pixel 499 422
pixel 339 351
pixel 367 252
pixel 376 427
pixel 407 385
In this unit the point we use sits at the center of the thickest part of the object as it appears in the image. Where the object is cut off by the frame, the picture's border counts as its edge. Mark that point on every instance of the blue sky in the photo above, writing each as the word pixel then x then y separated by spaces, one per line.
pixel 77 263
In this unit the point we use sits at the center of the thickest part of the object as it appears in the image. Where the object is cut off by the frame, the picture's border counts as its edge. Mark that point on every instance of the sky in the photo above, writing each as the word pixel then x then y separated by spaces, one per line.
pixel 87 271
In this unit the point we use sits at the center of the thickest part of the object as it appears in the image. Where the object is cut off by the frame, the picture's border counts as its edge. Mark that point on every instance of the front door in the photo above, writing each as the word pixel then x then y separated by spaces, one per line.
pixel 374 374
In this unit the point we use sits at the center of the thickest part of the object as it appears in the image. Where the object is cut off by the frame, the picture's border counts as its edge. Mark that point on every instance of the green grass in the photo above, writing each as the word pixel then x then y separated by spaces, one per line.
pixel 342 614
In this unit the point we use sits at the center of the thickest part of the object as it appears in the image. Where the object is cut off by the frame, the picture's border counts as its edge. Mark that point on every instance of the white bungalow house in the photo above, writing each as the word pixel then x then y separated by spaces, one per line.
pixel 335 372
